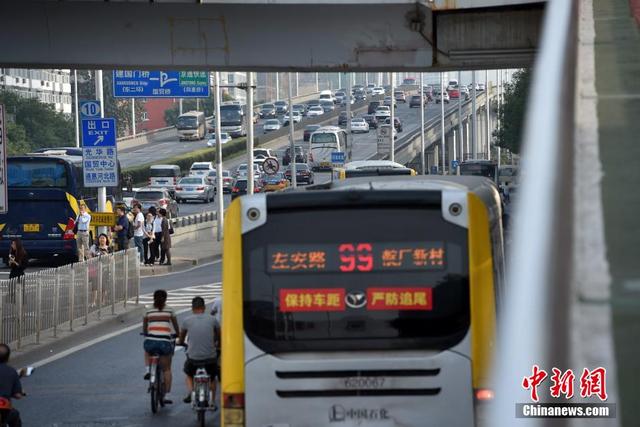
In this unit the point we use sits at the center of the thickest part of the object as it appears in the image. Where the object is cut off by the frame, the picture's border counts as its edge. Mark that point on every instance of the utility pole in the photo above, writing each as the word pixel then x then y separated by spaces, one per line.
pixel 219 191
pixel 292 163
pixel 474 120
pixel 486 112
pixel 249 118
pixel 392 155
pixel 277 87
pixel 180 106
pixel 75 92
pixel 349 137
pixel 339 80
pixel 460 112
pixel 317 83
pixel 442 141
pixel 297 85
pixel 133 116
pixel 422 147
pixel 102 191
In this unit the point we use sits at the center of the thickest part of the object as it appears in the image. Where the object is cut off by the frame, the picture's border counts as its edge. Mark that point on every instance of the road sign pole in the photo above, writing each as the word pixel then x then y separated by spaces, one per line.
pixel 474 119
pixel 249 118
pixel 349 136
pixel 219 194
pixel 75 97
pixel 422 145
pixel 486 112
pixel 102 191
pixel 292 163
pixel 392 155
pixel 277 87
pixel 133 116
pixel 317 83
pixel 180 106
pixel 442 142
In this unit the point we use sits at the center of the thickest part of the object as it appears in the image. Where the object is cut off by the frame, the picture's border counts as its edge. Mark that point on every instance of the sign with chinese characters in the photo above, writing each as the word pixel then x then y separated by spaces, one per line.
pixel 99 153
pixel 399 299
pixel 356 257
pixel 4 202
pixel 337 159
pixel 331 299
pixel 160 84
pixel 384 140
pixel 103 219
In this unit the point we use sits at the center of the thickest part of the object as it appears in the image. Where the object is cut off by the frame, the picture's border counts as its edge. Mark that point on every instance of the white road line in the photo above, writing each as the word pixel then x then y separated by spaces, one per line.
pixel 218 261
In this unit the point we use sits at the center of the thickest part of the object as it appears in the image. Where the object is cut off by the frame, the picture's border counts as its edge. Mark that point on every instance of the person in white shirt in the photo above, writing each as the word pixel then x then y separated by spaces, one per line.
pixel 138 230
pixel 83 222
pixel 157 233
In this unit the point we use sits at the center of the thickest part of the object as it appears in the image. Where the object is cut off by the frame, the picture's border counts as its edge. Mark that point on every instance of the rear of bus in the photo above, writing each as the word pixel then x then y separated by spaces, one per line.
pixel 166 176
pixel 322 143
pixel 41 207
pixel 362 319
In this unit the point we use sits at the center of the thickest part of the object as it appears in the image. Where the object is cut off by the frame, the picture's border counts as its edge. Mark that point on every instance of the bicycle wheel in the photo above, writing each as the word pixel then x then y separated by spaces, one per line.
pixel 201 414
pixel 153 393
pixel 160 382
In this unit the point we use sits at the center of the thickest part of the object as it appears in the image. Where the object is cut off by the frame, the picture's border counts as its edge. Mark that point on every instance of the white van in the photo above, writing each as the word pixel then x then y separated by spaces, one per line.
pixel 327 95
pixel 322 143
pixel 164 176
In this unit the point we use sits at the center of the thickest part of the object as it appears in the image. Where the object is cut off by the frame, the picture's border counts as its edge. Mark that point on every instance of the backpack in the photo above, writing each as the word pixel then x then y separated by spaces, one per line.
pixel 130 231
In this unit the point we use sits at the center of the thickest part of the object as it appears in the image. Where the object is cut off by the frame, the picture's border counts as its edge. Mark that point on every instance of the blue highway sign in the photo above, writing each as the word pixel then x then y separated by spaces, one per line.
pixel 337 157
pixel 99 153
pixel 160 84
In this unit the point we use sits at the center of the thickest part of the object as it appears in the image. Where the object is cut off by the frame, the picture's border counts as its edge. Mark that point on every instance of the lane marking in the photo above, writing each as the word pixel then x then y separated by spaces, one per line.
pixel 218 261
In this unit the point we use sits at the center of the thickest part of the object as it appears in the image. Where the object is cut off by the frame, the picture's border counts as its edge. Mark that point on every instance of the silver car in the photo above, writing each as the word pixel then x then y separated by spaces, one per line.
pixel 194 188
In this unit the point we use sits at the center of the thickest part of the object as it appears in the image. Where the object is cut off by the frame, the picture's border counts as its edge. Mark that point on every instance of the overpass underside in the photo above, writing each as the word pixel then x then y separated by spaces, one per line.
pixel 260 35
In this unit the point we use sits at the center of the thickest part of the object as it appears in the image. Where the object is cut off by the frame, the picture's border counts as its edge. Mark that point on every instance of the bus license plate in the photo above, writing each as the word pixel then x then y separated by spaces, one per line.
pixel 31 228
pixel 364 382
pixel 325 164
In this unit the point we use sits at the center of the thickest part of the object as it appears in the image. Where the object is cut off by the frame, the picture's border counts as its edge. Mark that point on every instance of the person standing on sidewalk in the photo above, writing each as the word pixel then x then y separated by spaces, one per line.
pixel 122 229
pixel 165 242
pixel 148 239
pixel 157 236
pixel 83 222
pixel 138 230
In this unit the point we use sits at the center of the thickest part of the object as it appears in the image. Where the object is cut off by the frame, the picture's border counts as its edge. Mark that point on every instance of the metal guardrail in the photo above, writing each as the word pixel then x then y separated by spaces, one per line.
pixel 184 221
pixel 536 313
pixel 58 298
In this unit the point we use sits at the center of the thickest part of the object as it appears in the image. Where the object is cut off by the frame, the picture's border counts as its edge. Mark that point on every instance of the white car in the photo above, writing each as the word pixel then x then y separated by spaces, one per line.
pixel 271 125
pixel 262 154
pixel 382 112
pixel 224 137
pixel 201 168
pixel 445 97
pixel 315 111
pixel 378 90
pixel 297 117
pixel 241 172
pixel 359 124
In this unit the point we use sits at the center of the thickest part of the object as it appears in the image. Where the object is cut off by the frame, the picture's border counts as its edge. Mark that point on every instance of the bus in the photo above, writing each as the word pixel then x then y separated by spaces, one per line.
pixel 44 195
pixel 486 168
pixel 322 143
pixel 233 119
pixel 191 125
pixel 382 312
pixel 361 168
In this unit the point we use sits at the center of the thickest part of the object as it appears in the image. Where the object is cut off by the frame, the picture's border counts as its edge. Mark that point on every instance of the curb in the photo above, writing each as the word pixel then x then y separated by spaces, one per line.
pixel 183 265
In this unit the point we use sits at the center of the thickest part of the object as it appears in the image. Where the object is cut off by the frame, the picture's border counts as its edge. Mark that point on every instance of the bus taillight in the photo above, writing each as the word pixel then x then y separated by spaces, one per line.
pixel 233 409
pixel 484 394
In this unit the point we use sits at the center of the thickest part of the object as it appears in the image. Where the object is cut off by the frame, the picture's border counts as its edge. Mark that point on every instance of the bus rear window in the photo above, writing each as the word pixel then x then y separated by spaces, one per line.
pixel 323 138
pixel 163 173
pixel 46 173
pixel 348 279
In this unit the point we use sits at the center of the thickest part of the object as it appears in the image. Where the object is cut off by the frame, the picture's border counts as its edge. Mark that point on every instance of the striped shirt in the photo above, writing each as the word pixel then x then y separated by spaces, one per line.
pixel 159 324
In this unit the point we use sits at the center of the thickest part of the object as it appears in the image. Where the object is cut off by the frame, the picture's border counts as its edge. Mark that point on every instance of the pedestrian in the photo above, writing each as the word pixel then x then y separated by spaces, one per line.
pixel 122 229
pixel 83 222
pixel 165 242
pixel 148 239
pixel 138 230
pixel 101 247
pixel 157 235
pixel 18 261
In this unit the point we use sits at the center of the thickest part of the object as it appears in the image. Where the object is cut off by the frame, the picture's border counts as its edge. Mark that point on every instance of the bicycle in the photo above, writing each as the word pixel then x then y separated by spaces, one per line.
pixel 156 387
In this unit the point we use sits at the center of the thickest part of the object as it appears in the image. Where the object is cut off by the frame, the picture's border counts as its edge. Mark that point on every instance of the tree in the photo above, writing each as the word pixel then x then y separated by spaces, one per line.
pixel 33 124
pixel 189 104
pixel 118 108
pixel 512 113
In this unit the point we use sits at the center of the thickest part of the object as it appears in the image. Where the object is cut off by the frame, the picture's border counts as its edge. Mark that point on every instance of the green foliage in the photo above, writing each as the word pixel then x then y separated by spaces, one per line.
pixel 512 113
pixel 32 124
pixel 205 104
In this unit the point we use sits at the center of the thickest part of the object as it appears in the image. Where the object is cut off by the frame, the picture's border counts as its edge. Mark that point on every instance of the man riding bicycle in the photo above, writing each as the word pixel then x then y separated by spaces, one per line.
pixel 160 326
pixel 204 337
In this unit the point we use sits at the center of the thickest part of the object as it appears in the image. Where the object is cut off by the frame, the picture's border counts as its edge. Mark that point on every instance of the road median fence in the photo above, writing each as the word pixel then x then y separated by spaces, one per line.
pixel 42 304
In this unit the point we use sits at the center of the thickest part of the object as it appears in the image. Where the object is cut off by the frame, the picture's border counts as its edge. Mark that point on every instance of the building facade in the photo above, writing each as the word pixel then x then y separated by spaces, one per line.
pixel 50 86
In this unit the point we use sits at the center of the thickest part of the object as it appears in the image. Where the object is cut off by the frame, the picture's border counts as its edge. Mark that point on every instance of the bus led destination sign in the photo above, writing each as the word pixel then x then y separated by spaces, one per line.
pixel 362 257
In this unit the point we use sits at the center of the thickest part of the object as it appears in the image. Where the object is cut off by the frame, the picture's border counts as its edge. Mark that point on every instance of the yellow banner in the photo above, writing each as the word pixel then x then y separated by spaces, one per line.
pixel 103 219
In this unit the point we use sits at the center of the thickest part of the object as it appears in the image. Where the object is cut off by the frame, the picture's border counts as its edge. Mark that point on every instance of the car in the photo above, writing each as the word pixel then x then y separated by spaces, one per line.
pixel 356 88
pixel 464 92
pixel 372 106
pixel 387 101
pixel 396 121
pixel 224 137
pixel 241 171
pixel 428 92
pixel 399 96
pixel 297 118
pixel 274 182
pixel 262 154
pixel 360 95
pixel 281 107
pixel 359 124
pixel 271 125
pixel 454 92
pixel 194 188
pixel 481 87
pixel 308 130
pixel 227 181
pixel 299 108
pixel 327 106
pixel 201 168
pixel 369 88
pixel 239 187
pixel 326 95
pixel 267 111
pixel 371 121
pixel 378 90
pixel 348 98
pixel 415 100
pixel 304 174
pixel 444 96
pixel 301 157
pixel 312 103
pixel 342 118
pixel 382 112
pixel 156 197
pixel 315 111
pixel 339 97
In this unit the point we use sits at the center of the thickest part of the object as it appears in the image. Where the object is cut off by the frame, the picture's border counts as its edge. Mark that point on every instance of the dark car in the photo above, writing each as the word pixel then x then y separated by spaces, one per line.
pixel 240 187
pixel 371 119
pixel 415 101
pixel 372 106
pixel 301 157
pixel 267 111
pixel 304 174
pixel 396 122
pixel 281 107
pixel 327 106
pixel 312 102
pixel 360 95
pixel 300 108
pixel 308 130
pixel 342 118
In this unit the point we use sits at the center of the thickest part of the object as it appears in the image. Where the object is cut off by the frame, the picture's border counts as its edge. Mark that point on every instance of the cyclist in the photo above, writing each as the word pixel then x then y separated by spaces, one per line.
pixel 204 333
pixel 160 326
pixel 10 386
